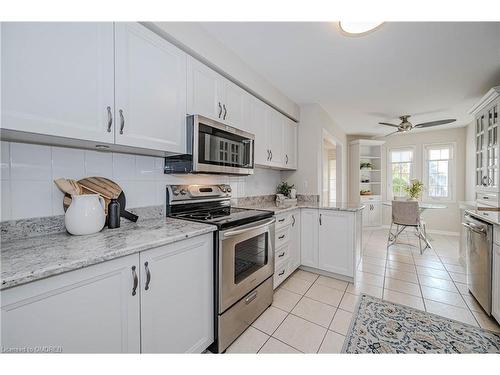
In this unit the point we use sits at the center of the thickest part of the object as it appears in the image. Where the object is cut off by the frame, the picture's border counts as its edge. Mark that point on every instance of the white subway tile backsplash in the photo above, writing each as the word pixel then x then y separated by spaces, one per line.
pixel 5 161
pixel 30 162
pixel 28 191
pixel 31 198
pixel 124 167
pixel 68 163
pixel 98 164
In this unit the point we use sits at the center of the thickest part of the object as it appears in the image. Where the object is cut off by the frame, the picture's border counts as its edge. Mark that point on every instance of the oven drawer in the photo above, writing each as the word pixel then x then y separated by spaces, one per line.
pixel 282 237
pixel 237 319
pixel 283 220
pixel 281 273
pixel 281 255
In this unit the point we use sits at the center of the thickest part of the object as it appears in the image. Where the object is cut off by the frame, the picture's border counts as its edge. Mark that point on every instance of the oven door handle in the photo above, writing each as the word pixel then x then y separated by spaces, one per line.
pixel 240 231
pixel 475 228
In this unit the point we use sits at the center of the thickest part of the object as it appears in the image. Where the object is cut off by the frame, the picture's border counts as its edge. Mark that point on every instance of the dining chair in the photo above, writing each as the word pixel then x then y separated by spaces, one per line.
pixel 406 214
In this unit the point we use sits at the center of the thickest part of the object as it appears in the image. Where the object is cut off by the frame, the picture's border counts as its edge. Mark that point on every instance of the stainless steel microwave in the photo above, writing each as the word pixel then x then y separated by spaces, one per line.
pixel 213 147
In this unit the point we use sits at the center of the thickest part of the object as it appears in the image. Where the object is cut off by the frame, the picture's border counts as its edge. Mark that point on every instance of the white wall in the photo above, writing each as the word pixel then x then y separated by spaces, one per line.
pixel 308 177
pixel 195 40
pixel 28 171
pixel 470 163
pixel 448 219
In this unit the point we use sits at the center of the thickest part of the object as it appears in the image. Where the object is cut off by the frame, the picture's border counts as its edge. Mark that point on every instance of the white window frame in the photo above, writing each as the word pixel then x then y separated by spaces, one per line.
pixel 411 148
pixel 451 171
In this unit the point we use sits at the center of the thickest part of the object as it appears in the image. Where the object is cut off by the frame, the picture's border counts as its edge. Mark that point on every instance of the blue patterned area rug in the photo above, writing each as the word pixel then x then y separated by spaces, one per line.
pixel 383 327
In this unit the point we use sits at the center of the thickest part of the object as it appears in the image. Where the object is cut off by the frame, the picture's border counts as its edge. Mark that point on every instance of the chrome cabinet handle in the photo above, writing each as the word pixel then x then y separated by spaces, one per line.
pixel 225 111
pixel 220 110
pixel 281 255
pixel 122 121
pixel 251 297
pixel 148 276
pixel 271 151
pixel 293 220
pixel 110 119
pixel 281 273
pixel 286 159
pixel 136 280
pixel 268 155
pixel 320 223
pixel 281 237
pixel 281 220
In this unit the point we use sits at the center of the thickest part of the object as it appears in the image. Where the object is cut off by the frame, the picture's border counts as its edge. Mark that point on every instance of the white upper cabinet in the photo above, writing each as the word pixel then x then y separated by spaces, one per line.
pixel 258 126
pixel 203 90
pixel 150 90
pixel 234 105
pixel 58 79
pixel 275 138
pixel 290 144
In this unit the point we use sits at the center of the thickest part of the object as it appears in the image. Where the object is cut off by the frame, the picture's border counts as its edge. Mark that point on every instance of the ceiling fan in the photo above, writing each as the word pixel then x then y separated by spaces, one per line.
pixel 406 125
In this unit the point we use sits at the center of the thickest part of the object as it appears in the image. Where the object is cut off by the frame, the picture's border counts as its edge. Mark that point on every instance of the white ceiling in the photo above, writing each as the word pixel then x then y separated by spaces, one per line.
pixel 430 70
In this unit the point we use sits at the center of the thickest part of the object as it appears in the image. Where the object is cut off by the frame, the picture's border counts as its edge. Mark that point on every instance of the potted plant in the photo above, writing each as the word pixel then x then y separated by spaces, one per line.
pixel 284 188
pixel 285 195
pixel 365 165
pixel 414 189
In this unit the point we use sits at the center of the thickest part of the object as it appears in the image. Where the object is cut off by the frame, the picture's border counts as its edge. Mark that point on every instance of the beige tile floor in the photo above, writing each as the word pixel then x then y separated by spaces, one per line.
pixel 312 313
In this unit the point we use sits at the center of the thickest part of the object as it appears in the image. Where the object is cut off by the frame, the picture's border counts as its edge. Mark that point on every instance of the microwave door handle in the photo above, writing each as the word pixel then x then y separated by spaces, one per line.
pixel 240 231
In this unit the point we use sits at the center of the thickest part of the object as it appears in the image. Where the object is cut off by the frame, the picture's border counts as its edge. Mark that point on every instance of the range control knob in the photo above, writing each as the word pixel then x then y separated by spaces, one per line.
pixel 228 189
pixel 223 188
pixel 175 191
pixel 183 191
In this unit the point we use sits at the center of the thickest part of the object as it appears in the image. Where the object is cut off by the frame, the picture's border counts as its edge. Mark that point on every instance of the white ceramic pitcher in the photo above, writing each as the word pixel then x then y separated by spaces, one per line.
pixel 85 215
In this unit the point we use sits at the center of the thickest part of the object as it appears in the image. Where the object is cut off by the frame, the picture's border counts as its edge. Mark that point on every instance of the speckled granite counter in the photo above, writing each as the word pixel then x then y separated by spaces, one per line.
pixel 271 206
pixel 29 259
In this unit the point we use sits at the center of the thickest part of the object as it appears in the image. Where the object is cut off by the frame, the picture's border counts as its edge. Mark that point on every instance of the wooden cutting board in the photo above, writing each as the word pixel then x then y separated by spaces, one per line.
pixel 96 185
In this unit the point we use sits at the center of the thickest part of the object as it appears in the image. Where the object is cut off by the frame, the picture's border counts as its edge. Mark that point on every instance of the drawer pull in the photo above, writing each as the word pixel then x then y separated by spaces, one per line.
pixel 281 273
pixel 251 297
pixel 281 220
pixel 281 255
pixel 486 198
pixel 136 281
pixel 281 237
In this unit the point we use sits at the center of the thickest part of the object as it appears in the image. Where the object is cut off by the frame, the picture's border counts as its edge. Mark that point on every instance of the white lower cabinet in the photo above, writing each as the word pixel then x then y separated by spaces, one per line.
pixel 294 246
pixel 106 308
pixel 287 246
pixel 336 242
pixel 495 307
pixel 92 310
pixel 178 305
pixel 309 237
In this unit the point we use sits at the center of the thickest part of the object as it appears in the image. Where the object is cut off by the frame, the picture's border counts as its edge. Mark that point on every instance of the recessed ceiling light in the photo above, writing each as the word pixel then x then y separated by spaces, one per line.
pixel 359 28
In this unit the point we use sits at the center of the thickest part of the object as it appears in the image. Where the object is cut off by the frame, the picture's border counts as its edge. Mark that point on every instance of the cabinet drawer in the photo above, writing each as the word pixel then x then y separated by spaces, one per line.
pixel 280 274
pixel 283 221
pixel 487 198
pixel 491 215
pixel 282 237
pixel 281 255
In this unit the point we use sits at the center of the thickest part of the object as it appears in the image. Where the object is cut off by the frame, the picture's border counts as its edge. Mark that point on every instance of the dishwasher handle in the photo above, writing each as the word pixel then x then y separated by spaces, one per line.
pixel 475 228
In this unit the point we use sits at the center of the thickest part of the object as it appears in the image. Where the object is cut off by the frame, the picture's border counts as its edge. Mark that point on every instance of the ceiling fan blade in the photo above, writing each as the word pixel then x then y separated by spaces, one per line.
pixel 387 135
pixel 434 123
pixel 386 123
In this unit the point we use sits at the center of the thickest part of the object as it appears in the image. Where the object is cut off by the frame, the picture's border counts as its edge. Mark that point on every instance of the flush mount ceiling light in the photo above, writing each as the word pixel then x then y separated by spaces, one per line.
pixel 358 28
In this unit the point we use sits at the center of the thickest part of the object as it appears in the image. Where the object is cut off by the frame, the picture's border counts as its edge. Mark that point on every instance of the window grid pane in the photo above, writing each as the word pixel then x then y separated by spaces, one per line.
pixel 401 170
pixel 438 172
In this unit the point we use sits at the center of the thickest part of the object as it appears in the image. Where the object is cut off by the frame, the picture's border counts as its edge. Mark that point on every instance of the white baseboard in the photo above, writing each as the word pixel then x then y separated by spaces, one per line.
pixel 432 231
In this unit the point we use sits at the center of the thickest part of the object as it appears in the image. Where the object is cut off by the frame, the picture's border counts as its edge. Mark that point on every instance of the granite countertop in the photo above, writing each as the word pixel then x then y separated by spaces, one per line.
pixel 29 259
pixel 338 206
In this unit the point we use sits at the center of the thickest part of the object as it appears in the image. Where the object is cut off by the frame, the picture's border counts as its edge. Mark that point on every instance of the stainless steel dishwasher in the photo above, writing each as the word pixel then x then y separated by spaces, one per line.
pixel 479 254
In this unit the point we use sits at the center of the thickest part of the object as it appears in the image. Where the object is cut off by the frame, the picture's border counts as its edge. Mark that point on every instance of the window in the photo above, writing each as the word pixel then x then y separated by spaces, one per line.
pixel 438 171
pixel 400 169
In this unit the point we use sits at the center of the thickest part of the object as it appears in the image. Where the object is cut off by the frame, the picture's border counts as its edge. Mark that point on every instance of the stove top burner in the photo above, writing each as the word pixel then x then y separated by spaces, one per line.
pixel 224 217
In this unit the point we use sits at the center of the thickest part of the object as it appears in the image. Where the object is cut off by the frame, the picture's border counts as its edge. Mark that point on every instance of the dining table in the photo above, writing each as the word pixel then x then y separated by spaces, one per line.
pixel 424 206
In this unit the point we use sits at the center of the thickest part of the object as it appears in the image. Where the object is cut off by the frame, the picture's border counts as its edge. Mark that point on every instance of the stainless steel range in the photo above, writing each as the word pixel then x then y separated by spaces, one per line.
pixel 243 259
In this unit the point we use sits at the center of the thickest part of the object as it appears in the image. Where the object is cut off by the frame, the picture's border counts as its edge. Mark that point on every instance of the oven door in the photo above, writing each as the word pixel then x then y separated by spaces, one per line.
pixel 246 259
pixel 220 148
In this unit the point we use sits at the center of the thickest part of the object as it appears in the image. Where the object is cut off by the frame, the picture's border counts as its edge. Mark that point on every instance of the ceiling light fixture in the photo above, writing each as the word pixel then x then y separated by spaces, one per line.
pixel 359 28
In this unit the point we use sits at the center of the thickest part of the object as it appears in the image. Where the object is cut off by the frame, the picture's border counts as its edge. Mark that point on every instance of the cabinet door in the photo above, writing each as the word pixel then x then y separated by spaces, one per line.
pixel 336 245
pixel 259 124
pixel 275 135
pixel 377 214
pixel 57 79
pixel 150 90
pixel 203 90
pixel 294 245
pixel 234 105
pixel 290 144
pixel 91 310
pixel 309 237
pixel 495 307
pixel 177 308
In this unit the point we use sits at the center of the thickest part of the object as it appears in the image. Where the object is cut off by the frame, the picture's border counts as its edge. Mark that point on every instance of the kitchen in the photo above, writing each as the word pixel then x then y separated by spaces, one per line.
pixel 187 214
